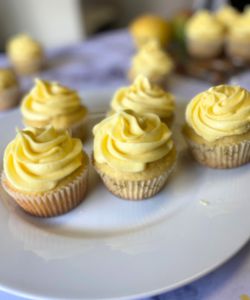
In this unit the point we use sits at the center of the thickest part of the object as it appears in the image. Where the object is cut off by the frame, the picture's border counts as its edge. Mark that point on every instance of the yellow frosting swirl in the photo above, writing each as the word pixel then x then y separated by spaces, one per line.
pixel 227 15
pixel 219 112
pixel 241 28
pixel 152 60
pixel 23 47
pixel 50 103
pixel 37 160
pixel 143 97
pixel 128 142
pixel 203 25
pixel 7 79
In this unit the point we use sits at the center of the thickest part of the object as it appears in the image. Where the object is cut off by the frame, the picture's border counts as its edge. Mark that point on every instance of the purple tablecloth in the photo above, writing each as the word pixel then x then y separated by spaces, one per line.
pixel 101 63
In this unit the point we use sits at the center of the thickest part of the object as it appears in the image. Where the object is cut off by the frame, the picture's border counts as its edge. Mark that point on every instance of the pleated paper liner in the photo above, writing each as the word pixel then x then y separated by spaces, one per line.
pixel 224 156
pixel 52 203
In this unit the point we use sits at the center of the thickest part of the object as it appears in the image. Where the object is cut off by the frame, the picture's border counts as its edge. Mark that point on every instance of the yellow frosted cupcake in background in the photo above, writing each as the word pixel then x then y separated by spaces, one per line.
pixel 238 41
pixel 144 97
pixel 50 103
pixel 9 89
pixel 45 171
pixel 217 126
pixel 204 35
pixel 153 62
pixel 148 27
pixel 133 154
pixel 227 15
pixel 25 54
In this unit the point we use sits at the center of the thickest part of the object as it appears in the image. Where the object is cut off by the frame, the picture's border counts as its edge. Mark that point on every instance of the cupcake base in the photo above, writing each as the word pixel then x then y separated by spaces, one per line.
pixel 55 202
pixel 204 49
pixel 9 98
pixel 137 186
pixel 27 67
pixel 238 50
pixel 222 154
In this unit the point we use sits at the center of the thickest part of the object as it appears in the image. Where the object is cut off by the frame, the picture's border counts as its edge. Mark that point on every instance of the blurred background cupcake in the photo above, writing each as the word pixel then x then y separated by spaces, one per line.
pixel 227 15
pixel 25 54
pixel 144 97
pixel 50 103
pixel 148 27
pixel 153 62
pixel 238 41
pixel 204 35
pixel 9 89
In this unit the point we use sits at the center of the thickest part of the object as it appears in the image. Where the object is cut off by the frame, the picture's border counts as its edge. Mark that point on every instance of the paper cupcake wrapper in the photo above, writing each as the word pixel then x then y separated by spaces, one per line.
pixel 202 49
pixel 79 129
pixel 239 50
pixel 28 66
pixel 9 98
pixel 221 156
pixel 135 190
pixel 52 203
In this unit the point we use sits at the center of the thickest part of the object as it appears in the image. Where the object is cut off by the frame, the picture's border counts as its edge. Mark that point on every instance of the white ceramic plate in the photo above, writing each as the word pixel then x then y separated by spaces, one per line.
pixel 108 248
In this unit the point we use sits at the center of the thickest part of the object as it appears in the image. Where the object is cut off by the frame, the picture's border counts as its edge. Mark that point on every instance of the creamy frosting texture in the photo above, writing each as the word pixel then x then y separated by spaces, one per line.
pixel 241 28
pixel 227 15
pixel 152 60
pixel 204 25
pixel 37 160
pixel 143 97
pixel 50 103
pixel 219 112
pixel 7 79
pixel 23 47
pixel 128 142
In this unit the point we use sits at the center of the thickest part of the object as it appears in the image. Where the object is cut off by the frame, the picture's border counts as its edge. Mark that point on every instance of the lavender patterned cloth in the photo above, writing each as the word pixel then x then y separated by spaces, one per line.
pixel 102 63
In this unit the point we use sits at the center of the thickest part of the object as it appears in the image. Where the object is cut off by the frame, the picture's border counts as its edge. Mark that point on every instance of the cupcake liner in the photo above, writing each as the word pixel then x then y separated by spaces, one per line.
pixel 135 189
pixel 9 97
pixel 79 129
pixel 52 203
pixel 221 156
pixel 27 67
pixel 204 49
pixel 238 49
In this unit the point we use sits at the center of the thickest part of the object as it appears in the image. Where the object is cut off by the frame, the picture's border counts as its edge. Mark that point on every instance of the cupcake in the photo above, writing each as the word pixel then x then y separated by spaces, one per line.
pixel 9 89
pixel 227 15
pixel 153 62
pixel 144 97
pixel 148 27
pixel 50 103
pixel 238 41
pixel 133 154
pixel 217 127
pixel 45 171
pixel 204 35
pixel 25 54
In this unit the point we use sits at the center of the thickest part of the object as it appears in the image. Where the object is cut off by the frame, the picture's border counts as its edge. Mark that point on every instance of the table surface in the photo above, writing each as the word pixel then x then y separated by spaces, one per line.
pixel 101 63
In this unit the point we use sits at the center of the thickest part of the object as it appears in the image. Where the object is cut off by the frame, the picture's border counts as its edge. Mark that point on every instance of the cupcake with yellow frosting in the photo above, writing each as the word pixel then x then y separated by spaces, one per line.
pixel 238 41
pixel 50 103
pixel 153 62
pixel 148 27
pixel 9 89
pixel 144 97
pixel 227 15
pixel 204 35
pixel 133 154
pixel 217 126
pixel 45 171
pixel 26 54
